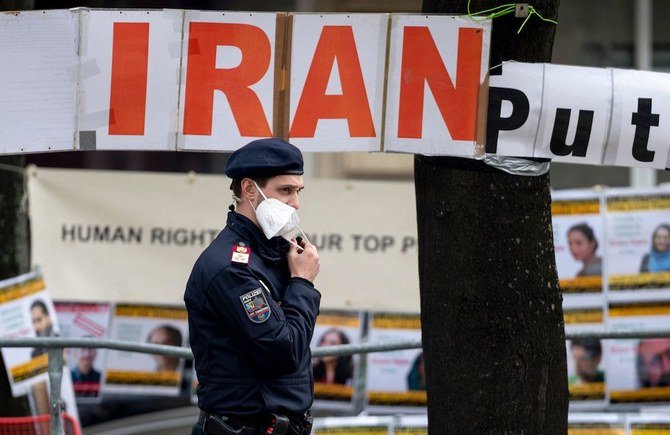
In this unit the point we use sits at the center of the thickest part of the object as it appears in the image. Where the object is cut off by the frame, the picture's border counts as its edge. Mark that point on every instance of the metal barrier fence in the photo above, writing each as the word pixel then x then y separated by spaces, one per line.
pixel 57 344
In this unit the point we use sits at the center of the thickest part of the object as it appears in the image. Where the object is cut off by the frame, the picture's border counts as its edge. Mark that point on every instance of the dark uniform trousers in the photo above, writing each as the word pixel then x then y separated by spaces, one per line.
pixel 250 327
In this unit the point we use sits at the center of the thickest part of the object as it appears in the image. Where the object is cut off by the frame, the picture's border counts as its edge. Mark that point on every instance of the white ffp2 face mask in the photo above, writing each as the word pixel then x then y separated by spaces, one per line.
pixel 275 217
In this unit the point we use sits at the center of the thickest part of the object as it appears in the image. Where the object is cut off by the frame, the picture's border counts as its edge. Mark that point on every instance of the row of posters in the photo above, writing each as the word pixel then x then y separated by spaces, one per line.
pixel 393 379
pixel 613 261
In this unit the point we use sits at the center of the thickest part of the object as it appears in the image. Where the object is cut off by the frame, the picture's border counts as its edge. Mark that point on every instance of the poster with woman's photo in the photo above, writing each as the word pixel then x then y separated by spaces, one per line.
pixel 396 380
pixel 638 370
pixel 579 243
pixel 335 376
pixel 585 358
pixel 141 373
pixel 85 320
pixel 638 244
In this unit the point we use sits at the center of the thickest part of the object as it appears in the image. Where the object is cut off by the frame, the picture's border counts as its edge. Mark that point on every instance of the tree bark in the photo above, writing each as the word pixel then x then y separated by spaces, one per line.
pixel 492 321
pixel 14 259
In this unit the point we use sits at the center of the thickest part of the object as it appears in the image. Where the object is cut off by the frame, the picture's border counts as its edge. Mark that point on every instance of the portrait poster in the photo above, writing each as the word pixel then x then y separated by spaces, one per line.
pixel 335 377
pixel 142 373
pixel 395 380
pixel 85 320
pixel 638 369
pixel 649 424
pixel 360 425
pixel 579 244
pixel 26 310
pixel 638 244
pixel 411 425
pixel 601 423
pixel 585 358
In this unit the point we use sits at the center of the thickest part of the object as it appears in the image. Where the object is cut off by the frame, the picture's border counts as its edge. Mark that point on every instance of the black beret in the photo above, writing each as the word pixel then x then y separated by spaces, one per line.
pixel 264 158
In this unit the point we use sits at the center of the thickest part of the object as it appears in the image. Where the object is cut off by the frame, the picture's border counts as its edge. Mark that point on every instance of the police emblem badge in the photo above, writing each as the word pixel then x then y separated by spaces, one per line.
pixel 241 254
pixel 256 305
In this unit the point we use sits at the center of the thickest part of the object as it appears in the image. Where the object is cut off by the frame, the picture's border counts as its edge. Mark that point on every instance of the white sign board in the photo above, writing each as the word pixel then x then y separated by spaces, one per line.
pixel 38 81
pixel 128 94
pixel 337 81
pixel 436 67
pixel 228 79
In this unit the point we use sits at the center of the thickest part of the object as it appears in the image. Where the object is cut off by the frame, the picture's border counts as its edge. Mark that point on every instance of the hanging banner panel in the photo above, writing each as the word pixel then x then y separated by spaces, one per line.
pixel 83 319
pixel 140 373
pixel 638 244
pixel 129 79
pixel 38 80
pixel 515 103
pixel 227 79
pixel 575 114
pixel 337 81
pixel 335 377
pixel 437 65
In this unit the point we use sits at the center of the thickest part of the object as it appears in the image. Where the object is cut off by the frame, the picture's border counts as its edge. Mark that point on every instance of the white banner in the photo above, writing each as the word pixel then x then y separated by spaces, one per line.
pixel 132 237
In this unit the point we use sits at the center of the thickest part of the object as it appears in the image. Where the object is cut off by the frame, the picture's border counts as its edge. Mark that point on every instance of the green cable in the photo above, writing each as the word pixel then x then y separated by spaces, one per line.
pixel 502 10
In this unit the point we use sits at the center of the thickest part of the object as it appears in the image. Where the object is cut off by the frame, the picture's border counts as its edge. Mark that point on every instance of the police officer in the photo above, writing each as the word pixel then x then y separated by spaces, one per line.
pixel 252 305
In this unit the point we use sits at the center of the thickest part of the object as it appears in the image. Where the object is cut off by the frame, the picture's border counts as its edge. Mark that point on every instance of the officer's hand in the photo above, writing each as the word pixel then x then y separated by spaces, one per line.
pixel 303 264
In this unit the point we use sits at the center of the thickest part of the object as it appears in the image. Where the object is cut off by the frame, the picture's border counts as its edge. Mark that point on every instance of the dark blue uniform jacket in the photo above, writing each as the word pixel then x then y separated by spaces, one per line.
pixel 248 360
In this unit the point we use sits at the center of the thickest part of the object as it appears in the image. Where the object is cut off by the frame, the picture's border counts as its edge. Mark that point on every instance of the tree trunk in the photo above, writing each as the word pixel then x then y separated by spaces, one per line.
pixel 492 321
pixel 14 258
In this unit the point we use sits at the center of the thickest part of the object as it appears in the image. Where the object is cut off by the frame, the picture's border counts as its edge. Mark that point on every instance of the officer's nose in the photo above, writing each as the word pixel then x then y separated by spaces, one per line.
pixel 293 201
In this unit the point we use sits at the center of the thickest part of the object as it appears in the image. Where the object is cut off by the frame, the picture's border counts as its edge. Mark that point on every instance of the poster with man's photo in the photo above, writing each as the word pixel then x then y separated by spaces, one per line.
pixel 638 370
pixel 579 244
pixel 141 373
pixel 585 357
pixel 396 380
pixel 335 376
pixel 26 310
pixel 84 320
pixel 638 244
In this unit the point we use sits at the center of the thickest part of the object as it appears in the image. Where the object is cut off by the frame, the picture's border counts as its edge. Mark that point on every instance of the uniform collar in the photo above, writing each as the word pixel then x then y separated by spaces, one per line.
pixel 273 249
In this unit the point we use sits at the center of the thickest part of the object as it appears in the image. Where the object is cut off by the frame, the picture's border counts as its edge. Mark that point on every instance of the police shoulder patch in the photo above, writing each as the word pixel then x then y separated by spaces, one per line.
pixel 256 305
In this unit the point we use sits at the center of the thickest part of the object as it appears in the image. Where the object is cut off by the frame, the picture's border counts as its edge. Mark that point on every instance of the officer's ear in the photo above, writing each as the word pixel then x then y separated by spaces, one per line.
pixel 248 189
